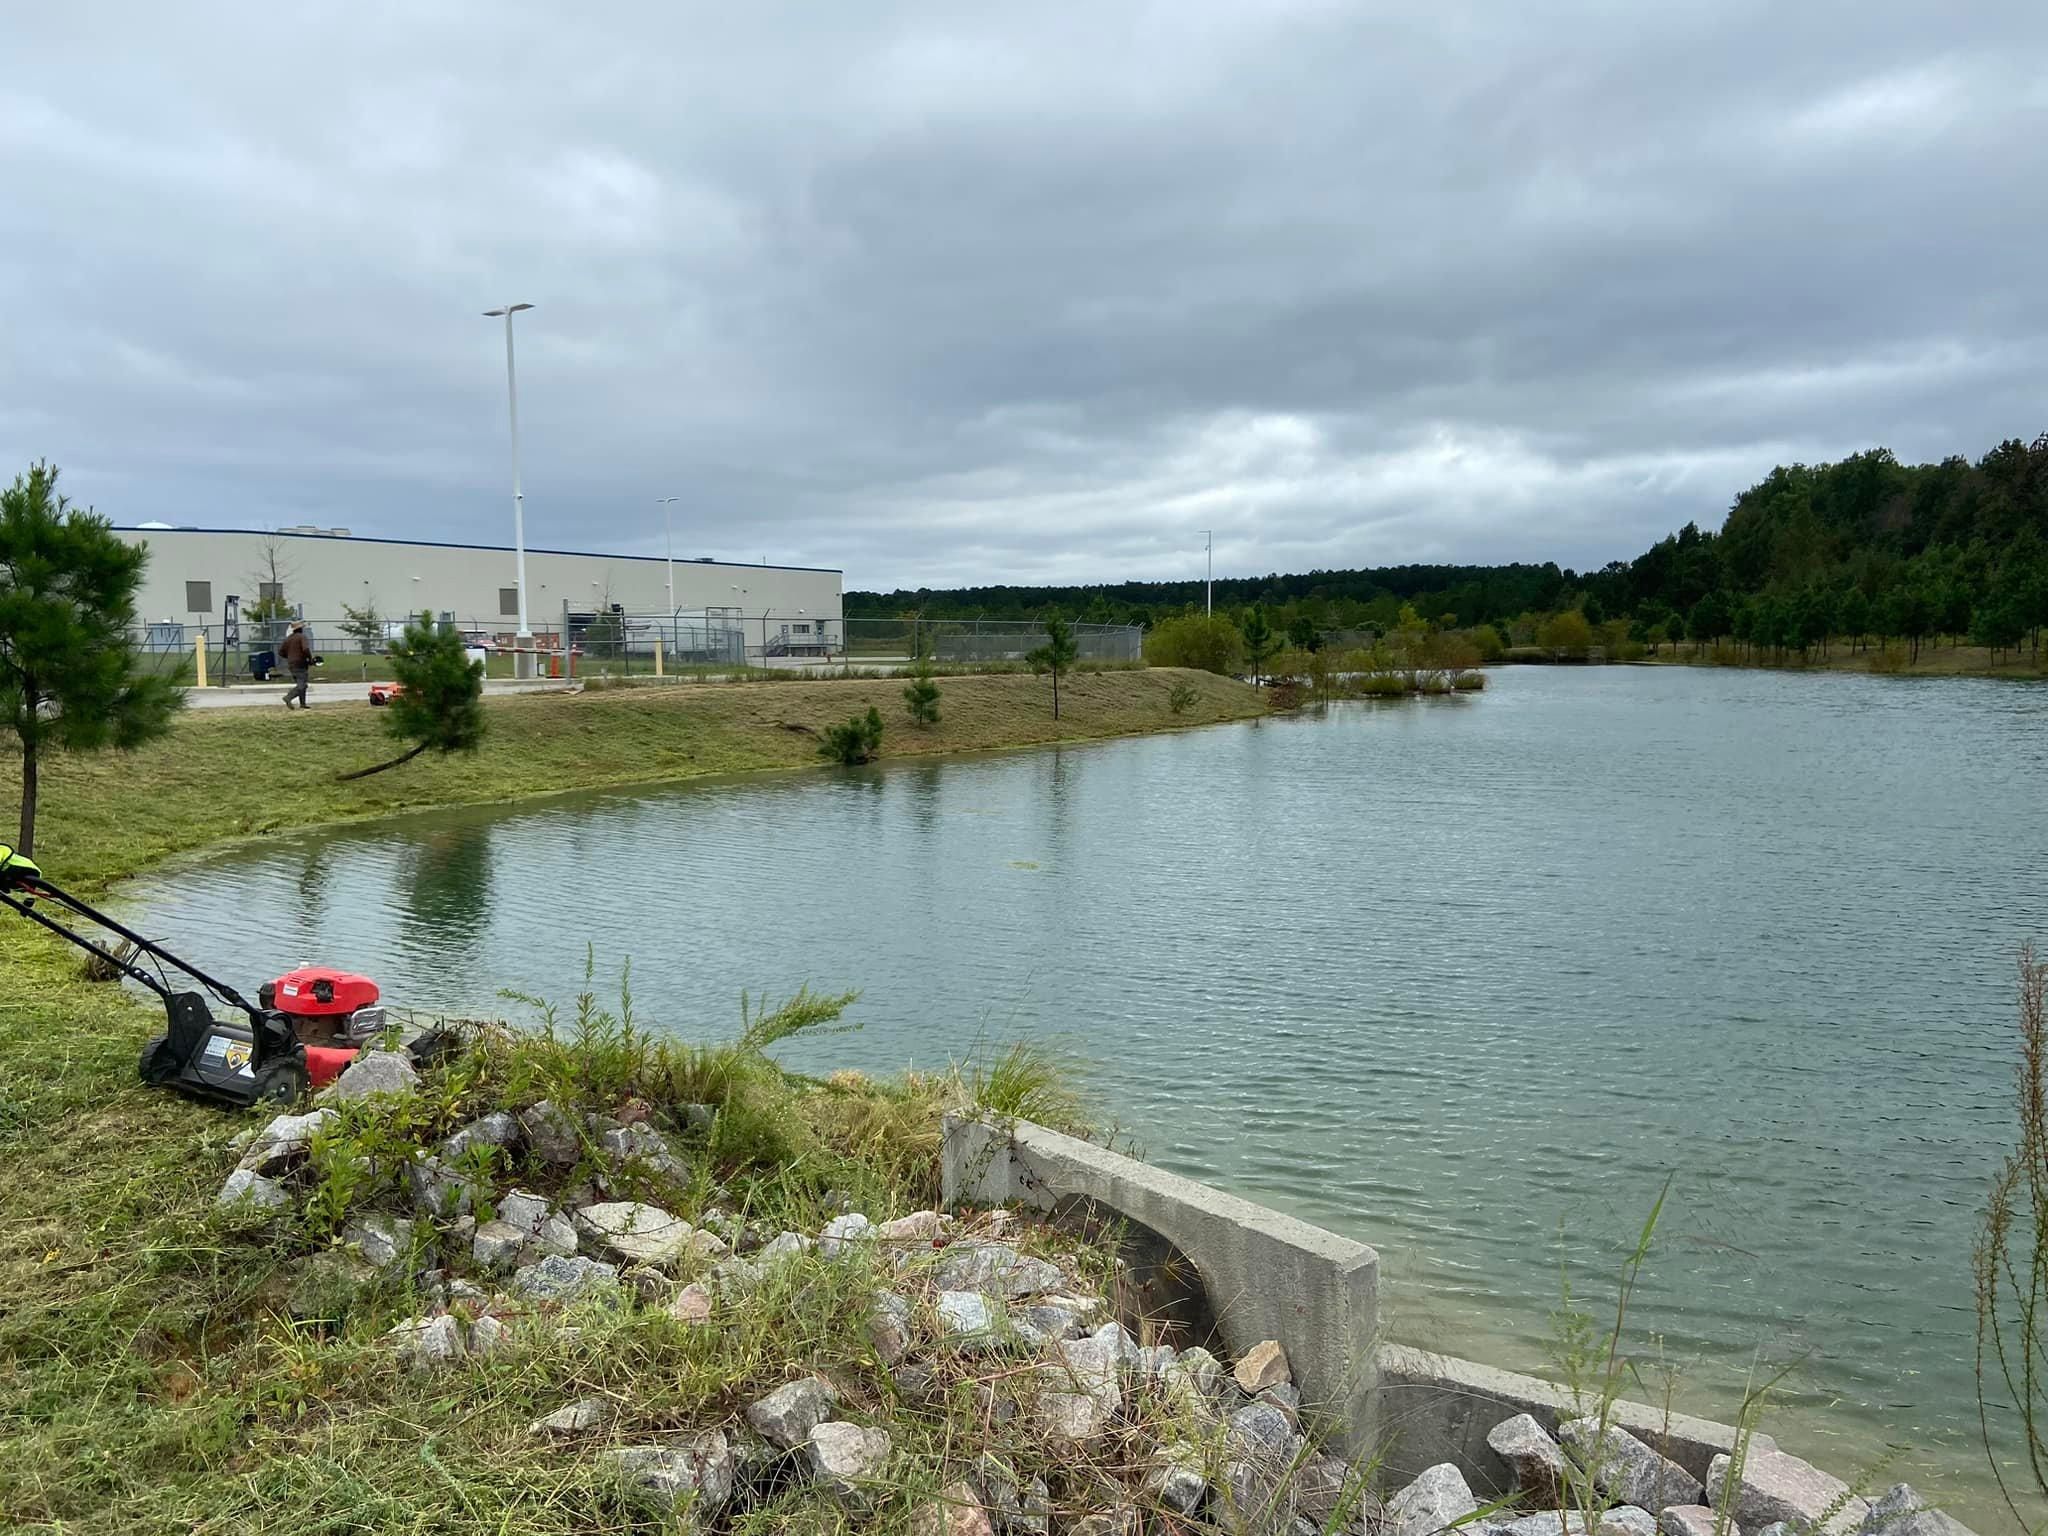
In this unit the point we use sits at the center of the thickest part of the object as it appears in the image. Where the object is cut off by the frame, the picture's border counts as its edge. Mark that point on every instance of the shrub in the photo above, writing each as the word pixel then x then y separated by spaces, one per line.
pixel 1566 634
pixel 1487 641
pixel 855 740
pixel 1181 699
pixel 1382 685
pixel 1469 682
pixel 1205 642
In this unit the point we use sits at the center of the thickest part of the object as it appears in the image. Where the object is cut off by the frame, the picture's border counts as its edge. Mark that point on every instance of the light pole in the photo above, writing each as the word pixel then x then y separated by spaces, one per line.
pixel 522 665
pixel 1209 549
pixel 668 534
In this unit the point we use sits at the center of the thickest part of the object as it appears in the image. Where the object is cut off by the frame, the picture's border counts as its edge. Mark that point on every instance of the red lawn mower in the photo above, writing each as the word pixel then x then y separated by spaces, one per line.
pixel 302 1032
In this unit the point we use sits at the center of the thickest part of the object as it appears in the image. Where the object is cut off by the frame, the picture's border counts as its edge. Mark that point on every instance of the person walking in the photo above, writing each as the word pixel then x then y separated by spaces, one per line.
pixel 297 654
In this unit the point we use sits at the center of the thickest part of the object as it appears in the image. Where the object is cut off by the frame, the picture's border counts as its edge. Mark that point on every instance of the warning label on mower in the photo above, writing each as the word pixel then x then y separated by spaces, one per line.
pixel 232 1054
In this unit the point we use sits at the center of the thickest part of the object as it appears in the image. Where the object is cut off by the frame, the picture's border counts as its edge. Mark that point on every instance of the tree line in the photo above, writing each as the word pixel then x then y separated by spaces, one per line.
pixel 1864 550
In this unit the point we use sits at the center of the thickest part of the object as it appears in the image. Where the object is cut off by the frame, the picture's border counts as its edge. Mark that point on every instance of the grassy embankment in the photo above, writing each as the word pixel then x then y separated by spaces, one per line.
pixel 1893 661
pixel 150 1377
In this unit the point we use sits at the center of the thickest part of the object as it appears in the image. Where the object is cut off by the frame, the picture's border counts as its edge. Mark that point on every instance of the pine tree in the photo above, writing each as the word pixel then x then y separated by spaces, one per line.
pixel 439 705
pixel 1258 640
pixel 68 678
pixel 922 694
pixel 1057 655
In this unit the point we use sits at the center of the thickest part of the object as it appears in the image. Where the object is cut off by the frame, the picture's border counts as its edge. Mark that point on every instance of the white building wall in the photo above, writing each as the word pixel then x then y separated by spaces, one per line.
pixel 324 572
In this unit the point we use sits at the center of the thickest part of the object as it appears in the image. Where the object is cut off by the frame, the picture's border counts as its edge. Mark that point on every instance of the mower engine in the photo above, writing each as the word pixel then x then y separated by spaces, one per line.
pixel 332 1013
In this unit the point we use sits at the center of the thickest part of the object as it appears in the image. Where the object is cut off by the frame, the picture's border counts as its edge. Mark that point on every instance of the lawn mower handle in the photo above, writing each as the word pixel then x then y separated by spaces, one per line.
pixel 22 885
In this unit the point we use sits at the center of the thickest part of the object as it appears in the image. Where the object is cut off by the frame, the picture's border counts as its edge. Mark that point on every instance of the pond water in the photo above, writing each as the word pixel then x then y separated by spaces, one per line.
pixel 1466 978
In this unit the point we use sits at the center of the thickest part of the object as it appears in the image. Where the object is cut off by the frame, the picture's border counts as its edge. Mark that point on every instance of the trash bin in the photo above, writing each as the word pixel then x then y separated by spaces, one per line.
pixel 262 664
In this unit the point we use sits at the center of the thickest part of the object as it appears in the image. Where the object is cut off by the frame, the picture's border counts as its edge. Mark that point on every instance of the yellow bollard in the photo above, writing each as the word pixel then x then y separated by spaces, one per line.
pixel 658 649
pixel 199 653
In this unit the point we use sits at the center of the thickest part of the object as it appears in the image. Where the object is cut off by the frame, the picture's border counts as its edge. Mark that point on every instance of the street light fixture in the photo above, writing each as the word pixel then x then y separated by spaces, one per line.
pixel 523 664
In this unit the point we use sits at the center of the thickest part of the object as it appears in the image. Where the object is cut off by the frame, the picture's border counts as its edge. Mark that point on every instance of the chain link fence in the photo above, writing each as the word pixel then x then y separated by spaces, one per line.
pixel 966 642
pixel 616 643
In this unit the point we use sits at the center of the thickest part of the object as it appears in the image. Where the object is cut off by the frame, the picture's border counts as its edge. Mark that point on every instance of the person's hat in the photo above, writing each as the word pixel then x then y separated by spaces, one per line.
pixel 301 624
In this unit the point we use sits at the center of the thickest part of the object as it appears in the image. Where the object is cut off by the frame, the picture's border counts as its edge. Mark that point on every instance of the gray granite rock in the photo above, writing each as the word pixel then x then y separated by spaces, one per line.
pixel 968 1321
pixel 1177 1479
pixel 429 1343
pixel 1259 1433
pixel 1286 1398
pixel 523 1209
pixel 247 1190
pixel 1690 1520
pixel 1628 1520
pixel 889 1327
pixel 1626 1469
pixel 284 1143
pixel 643 1145
pixel 496 1129
pixel 843 1234
pixel 559 1279
pixel 1081 1393
pixel 1534 1459
pixel 488 1336
pixel 787 1415
pixel 1900 1511
pixel 578 1418
pixel 1777 1487
pixel 1555 1522
pixel 1431 1502
pixel 496 1247
pixel 1043 1326
pixel 628 1232
pixel 552 1134
pixel 375 1072
pixel 438 1191
pixel 783 1246
pixel 697 1473
pixel 844 1456
pixel 996 1269
pixel 380 1240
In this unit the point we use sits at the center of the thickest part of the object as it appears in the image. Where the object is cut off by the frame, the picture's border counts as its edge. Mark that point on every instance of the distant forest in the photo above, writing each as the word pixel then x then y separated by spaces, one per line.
pixel 1864 547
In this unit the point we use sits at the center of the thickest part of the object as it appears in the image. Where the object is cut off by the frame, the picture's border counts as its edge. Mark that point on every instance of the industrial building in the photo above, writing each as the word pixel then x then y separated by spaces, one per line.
pixel 320 573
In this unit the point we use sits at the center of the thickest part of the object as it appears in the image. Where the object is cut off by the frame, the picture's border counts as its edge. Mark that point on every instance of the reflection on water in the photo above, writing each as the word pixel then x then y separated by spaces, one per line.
pixel 1455 976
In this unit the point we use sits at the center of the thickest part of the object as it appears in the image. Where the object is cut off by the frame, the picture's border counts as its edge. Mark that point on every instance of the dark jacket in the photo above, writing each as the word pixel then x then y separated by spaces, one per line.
pixel 295 652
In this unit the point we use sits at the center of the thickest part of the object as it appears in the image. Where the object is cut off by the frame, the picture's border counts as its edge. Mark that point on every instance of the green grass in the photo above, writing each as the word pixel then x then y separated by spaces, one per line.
pixel 1894 660
pixel 152 1378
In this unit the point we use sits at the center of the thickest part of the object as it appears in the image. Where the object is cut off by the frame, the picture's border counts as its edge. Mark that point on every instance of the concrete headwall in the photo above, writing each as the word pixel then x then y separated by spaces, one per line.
pixel 1430 1408
pixel 1268 1276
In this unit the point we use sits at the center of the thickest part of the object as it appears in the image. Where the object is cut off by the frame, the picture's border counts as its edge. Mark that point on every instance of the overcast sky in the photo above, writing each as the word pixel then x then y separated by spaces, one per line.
pixel 961 293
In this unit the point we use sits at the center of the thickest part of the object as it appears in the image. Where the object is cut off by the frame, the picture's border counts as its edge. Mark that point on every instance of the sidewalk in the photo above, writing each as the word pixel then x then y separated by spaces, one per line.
pixel 271 695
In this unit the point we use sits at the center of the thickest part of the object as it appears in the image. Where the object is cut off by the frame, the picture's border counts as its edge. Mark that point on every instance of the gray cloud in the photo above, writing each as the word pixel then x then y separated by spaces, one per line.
pixel 1036 292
